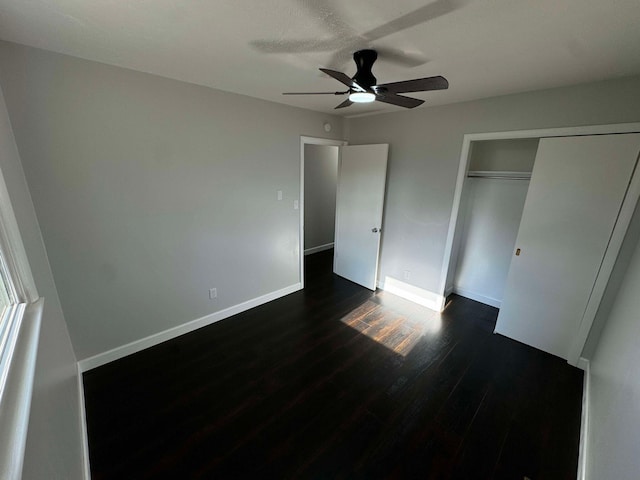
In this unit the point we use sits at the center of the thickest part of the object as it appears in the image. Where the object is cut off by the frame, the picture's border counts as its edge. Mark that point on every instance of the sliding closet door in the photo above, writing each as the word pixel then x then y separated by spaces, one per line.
pixel 576 190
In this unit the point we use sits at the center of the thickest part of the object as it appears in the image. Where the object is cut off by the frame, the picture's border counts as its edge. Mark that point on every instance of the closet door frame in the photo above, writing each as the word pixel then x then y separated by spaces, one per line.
pixel 631 199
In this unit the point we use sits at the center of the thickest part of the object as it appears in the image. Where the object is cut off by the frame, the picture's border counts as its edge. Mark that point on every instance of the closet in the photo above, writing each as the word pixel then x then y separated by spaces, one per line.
pixel 577 189
pixel 494 195
pixel 543 252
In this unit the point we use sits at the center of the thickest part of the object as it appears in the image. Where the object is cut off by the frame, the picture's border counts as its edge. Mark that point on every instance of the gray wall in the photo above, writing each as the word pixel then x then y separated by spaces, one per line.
pixel 424 156
pixel 504 155
pixel 614 395
pixel 616 279
pixel 54 442
pixel 320 180
pixel 150 191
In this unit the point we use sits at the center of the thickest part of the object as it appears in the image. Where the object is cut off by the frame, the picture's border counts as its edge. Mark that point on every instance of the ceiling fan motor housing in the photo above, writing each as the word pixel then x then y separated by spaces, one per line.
pixel 364 61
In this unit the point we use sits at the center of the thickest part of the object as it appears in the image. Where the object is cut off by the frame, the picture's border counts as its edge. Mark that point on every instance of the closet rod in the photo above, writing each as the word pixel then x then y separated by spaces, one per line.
pixel 499 175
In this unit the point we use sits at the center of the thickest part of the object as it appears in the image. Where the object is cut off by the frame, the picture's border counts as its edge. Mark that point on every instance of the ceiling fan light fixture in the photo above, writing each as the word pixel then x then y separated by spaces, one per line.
pixel 362 97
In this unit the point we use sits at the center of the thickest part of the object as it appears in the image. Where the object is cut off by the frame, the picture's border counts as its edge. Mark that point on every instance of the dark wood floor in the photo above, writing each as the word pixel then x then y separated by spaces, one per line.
pixel 337 382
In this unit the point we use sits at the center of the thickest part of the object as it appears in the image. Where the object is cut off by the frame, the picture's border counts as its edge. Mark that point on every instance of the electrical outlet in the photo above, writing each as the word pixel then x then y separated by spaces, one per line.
pixel 213 293
pixel 406 274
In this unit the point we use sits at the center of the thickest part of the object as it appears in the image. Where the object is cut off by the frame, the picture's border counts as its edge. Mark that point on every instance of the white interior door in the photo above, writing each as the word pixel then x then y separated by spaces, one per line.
pixel 362 178
pixel 576 191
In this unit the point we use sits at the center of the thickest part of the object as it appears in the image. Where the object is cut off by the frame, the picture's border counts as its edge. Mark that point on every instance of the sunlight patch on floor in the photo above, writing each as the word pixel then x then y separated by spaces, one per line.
pixel 398 332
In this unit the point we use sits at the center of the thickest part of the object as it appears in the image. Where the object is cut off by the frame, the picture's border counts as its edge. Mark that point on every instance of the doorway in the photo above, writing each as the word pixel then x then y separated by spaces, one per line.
pixel 318 180
pixel 359 205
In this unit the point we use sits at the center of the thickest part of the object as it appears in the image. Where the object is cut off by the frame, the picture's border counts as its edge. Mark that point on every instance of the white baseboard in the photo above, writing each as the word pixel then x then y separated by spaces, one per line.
pixel 448 291
pixel 319 248
pixel 583 456
pixel 138 345
pixel 86 470
pixel 463 292
pixel 412 293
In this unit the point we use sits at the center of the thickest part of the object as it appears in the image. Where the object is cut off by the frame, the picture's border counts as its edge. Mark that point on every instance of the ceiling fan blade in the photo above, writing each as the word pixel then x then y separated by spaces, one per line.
pixel 399 100
pixel 417 85
pixel 342 78
pixel 316 93
pixel 344 104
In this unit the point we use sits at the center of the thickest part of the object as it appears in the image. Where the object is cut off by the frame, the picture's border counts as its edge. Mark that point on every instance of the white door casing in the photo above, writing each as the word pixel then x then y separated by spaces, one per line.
pixel 576 192
pixel 359 207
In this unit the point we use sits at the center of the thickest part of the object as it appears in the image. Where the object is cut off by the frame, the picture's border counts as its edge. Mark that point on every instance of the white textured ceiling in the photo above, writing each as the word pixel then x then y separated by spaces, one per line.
pixel 262 48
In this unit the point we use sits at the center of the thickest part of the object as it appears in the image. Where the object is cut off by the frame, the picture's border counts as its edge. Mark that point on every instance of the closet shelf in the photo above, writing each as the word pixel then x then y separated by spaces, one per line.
pixel 499 174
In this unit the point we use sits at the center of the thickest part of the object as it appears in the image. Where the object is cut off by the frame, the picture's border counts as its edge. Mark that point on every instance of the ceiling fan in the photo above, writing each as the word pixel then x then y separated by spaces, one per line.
pixel 363 87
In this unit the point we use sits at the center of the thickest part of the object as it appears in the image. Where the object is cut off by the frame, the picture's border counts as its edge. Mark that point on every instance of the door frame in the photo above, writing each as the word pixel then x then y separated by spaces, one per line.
pixel 626 211
pixel 304 140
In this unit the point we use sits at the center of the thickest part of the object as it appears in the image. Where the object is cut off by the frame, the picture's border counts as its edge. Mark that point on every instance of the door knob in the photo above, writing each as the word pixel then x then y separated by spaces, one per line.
pixel 375 230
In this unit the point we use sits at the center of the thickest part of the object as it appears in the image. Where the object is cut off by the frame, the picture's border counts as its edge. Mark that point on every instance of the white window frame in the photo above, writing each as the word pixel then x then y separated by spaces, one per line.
pixel 18 342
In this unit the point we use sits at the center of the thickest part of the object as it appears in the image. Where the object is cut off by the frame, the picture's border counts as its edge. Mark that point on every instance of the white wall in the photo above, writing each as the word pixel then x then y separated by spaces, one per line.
pixel 424 155
pixel 320 180
pixel 491 221
pixel 614 395
pixel 150 191
pixel 54 442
